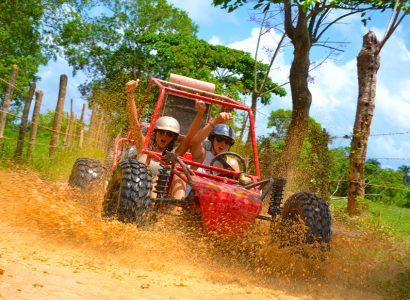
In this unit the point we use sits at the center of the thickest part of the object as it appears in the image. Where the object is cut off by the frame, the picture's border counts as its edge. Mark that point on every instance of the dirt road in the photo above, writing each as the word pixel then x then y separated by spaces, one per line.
pixel 54 245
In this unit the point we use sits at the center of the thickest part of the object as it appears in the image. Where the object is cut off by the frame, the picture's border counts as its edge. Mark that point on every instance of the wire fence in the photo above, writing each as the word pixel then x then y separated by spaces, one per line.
pixel 384 186
pixel 68 125
pixel 94 137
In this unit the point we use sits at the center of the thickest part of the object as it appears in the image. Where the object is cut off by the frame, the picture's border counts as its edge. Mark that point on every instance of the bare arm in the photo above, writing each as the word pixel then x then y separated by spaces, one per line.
pixel 136 133
pixel 198 152
pixel 183 147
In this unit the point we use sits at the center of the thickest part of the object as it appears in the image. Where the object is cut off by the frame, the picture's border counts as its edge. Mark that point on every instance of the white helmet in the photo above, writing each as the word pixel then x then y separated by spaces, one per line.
pixel 167 123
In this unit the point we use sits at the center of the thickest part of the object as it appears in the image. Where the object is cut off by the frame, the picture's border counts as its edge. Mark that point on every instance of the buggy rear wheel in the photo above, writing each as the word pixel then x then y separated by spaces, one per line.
pixel 306 219
pixel 86 172
pixel 128 193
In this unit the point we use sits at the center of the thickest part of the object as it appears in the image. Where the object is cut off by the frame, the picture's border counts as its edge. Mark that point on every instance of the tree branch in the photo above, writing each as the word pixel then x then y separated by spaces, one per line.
pixel 394 22
pixel 338 19
pixel 265 79
pixel 289 28
pixel 256 52
pixel 323 17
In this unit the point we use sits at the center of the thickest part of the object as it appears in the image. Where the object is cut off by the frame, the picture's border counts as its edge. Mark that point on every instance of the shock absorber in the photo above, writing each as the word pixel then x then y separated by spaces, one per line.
pixel 276 197
pixel 161 188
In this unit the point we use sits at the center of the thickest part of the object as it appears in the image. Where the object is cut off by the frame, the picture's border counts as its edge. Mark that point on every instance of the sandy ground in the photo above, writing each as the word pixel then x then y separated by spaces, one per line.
pixel 54 245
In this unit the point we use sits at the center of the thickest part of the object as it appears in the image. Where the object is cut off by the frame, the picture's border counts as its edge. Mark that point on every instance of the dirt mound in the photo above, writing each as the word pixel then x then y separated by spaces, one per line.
pixel 55 245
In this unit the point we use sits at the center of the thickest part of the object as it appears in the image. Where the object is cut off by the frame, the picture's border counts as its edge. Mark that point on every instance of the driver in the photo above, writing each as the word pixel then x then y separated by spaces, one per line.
pixel 221 137
pixel 166 133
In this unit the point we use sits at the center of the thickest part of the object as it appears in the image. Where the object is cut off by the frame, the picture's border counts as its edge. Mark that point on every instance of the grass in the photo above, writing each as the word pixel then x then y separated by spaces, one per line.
pixel 58 167
pixel 383 218
pixel 391 277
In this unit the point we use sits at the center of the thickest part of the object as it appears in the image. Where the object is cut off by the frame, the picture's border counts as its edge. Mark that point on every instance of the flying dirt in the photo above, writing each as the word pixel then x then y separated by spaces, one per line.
pixel 55 245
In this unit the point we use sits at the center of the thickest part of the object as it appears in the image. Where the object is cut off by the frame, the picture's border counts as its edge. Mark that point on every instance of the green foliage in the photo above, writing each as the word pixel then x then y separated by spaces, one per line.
pixel 406 174
pixel 140 39
pixel 20 41
pixel 314 164
pixel 387 220
pixel 55 168
pixel 116 38
pixel 339 171
pixel 386 185
pixel 59 166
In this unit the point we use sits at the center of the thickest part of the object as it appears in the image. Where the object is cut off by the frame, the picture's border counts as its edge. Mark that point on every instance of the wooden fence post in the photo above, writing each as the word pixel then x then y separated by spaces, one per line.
pixel 74 132
pixel 99 130
pixel 34 124
pixel 66 130
pixel 92 130
pixel 81 139
pixel 70 130
pixel 23 124
pixel 6 103
pixel 58 116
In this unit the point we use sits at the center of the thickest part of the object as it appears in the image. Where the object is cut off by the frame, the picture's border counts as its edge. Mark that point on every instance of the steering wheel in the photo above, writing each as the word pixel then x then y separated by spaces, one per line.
pixel 219 158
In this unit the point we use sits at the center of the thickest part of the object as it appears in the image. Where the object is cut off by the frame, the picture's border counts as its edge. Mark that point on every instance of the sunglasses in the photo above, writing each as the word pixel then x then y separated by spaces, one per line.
pixel 221 139
pixel 169 134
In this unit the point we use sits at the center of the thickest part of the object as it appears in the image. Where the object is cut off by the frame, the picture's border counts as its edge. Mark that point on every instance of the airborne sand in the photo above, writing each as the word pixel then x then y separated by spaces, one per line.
pixel 54 245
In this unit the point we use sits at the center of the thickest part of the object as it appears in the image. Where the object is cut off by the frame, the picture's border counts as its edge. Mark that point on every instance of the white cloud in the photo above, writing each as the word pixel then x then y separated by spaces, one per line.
pixel 267 44
pixel 215 40
pixel 49 84
pixel 335 93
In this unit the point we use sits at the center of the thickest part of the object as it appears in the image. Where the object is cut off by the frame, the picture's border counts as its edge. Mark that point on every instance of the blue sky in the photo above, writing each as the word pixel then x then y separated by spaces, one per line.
pixel 334 88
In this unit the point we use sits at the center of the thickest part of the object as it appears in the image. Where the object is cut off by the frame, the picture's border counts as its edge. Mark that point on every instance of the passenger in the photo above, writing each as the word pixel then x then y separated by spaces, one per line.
pixel 166 133
pixel 221 137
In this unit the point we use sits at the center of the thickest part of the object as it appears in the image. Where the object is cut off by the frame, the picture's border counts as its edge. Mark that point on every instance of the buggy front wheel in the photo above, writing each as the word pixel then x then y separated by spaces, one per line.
pixel 128 195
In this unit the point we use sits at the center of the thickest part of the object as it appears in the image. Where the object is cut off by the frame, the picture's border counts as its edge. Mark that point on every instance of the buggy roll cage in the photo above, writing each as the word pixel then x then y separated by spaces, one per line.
pixel 192 94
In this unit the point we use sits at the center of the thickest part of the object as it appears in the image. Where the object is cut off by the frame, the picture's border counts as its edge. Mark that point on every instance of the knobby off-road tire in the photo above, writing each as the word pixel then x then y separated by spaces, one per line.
pixel 128 193
pixel 312 212
pixel 86 172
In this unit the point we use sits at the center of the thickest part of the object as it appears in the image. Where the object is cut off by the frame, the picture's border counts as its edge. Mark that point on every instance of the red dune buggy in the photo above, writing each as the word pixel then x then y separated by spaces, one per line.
pixel 228 202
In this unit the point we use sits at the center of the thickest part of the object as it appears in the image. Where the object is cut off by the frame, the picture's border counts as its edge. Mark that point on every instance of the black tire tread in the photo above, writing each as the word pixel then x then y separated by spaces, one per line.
pixel 86 172
pixel 315 213
pixel 128 195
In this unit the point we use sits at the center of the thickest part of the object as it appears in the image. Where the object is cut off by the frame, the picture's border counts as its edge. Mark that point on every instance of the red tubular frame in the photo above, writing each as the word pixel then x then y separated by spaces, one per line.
pixel 191 93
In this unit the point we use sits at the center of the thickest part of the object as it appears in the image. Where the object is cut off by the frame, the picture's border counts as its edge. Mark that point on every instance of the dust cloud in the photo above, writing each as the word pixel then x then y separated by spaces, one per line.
pixel 55 245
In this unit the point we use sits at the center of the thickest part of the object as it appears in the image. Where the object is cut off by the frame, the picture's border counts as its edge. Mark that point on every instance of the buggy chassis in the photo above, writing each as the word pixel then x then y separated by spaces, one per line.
pixel 228 201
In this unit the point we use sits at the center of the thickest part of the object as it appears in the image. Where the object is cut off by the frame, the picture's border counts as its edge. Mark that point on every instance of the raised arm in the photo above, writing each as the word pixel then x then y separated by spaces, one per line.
pixel 198 151
pixel 186 142
pixel 136 132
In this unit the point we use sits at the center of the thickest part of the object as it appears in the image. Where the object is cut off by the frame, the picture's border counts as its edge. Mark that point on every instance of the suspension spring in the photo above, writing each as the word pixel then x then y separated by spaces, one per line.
pixel 276 197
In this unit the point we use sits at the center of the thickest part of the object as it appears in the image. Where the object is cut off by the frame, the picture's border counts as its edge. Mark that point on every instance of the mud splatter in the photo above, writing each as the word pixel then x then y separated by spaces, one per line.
pixel 53 233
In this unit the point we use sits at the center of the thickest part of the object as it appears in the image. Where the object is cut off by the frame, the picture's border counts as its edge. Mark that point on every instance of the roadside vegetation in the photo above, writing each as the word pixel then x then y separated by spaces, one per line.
pixel 57 167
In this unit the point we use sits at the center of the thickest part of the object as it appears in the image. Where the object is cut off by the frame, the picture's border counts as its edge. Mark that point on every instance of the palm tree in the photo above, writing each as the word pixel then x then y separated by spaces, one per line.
pixel 406 174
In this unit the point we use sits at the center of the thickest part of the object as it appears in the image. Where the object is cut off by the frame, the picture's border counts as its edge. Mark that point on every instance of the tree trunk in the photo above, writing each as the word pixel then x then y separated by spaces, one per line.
pixel 301 100
pixel 368 62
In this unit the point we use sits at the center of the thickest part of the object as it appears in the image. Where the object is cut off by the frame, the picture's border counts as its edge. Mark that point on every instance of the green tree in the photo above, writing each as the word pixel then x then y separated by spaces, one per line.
pixel 406 174
pixel 385 185
pixel 313 169
pixel 20 40
pixel 339 171
pixel 123 43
